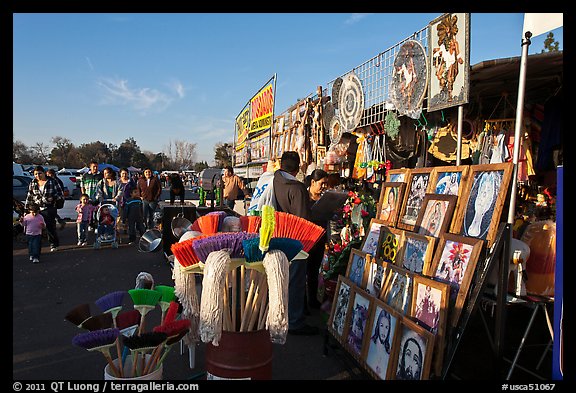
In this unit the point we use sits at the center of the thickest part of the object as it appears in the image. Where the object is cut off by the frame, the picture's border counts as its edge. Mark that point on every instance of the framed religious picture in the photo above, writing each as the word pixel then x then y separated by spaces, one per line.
pixel 376 272
pixel 397 175
pixel 339 309
pixel 389 244
pixel 413 357
pixel 383 326
pixel 435 214
pixel 416 189
pixel 320 156
pixel 370 242
pixel 450 180
pixel 391 195
pixel 454 262
pixel 356 325
pixel 449 57
pixel 430 307
pixel 398 291
pixel 483 200
pixel 357 267
pixel 416 252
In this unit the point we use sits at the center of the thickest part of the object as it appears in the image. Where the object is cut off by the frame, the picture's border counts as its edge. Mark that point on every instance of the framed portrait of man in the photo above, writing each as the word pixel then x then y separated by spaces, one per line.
pixel 414 352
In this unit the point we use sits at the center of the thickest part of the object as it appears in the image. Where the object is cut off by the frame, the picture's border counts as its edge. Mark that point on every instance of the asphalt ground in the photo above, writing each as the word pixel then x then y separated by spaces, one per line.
pixel 42 339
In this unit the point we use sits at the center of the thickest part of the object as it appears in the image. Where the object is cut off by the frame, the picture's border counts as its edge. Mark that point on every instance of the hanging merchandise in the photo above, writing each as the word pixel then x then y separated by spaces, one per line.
pixel 350 102
pixel 392 124
pixel 368 141
pixel 445 143
pixel 359 172
pixel 336 92
pixel 409 79
pixel 335 130
pixel 328 113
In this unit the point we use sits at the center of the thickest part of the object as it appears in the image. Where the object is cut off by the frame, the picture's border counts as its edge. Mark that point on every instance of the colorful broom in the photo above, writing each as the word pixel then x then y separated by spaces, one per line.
pixel 207 224
pixel 221 215
pixel 267 227
pixel 252 252
pixel 175 329
pixel 171 313
pixel 78 314
pixel 184 252
pixel 142 344
pixel 168 295
pixel 99 340
pixel 294 227
pixel 111 303
pixel 144 300
pixel 127 322
pixel 229 241
pixel 250 223
pixel 99 322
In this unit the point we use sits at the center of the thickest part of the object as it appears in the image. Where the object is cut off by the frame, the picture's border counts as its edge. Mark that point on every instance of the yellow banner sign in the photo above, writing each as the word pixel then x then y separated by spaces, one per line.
pixel 262 109
pixel 242 128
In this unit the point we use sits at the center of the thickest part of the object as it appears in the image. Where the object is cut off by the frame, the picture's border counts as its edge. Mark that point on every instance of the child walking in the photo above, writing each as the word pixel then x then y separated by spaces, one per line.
pixel 133 212
pixel 33 223
pixel 85 211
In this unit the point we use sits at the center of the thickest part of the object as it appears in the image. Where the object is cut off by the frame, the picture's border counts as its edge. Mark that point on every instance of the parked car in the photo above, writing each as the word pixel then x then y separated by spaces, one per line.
pixel 71 179
pixel 20 186
pixel 18 170
pixel 208 178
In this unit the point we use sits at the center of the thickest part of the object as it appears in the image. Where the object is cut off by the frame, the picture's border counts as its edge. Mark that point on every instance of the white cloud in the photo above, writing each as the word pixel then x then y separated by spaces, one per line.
pixel 117 92
pixel 89 63
pixel 178 88
pixel 355 18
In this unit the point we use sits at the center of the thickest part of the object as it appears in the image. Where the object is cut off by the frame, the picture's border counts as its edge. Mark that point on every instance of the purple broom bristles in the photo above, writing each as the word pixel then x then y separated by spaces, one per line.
pixel 229 240
pixel 111 300
pixel 96 339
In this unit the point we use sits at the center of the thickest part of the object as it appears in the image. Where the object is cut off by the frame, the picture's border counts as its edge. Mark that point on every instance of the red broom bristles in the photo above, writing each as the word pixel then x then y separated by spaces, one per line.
pixel 209 224
pixel 171 313
pixel 294 227
pixel 184 252
pixel 250 224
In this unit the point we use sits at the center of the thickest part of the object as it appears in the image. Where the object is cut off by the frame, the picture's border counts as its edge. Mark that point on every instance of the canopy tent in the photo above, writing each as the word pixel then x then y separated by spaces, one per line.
pixel 133 169
pixel 84 170
pixel 104 165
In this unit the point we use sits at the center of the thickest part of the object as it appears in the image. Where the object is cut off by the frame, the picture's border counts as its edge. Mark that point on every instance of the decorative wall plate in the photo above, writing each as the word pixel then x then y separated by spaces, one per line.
pixel 335 130
pixel 350 102
pixel 328 113
pixel 409 78
pixel 336 91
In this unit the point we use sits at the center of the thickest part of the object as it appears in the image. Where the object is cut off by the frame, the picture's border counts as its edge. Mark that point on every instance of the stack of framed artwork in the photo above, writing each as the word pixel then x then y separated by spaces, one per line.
pixel 406 287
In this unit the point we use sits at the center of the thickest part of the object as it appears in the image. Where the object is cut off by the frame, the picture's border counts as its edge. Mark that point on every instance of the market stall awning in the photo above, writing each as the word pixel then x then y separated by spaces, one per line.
pixel 105 165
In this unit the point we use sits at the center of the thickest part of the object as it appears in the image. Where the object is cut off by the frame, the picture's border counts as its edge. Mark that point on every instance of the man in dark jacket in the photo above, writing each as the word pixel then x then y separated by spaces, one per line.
pixel 132 213
pixel 292 197
pixel 150 189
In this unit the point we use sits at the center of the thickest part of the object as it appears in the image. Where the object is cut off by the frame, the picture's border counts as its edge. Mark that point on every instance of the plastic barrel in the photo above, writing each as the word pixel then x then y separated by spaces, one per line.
pixel 240 355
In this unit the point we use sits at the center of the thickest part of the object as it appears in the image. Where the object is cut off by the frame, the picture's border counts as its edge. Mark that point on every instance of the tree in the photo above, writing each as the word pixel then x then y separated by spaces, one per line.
pixel 124 155
pixel 22 154
pixel 223 154
pixel 94 151
pixel 550 44
pixel 199 166
pixel 64 154
pixel 42 153
pixel 179 155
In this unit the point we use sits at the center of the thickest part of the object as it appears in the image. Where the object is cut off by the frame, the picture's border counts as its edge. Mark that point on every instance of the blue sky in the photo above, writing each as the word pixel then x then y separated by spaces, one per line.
pixel 164 77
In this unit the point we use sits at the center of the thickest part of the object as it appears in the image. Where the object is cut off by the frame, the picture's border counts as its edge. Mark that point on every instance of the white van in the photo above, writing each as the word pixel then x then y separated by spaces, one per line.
pixel 18 170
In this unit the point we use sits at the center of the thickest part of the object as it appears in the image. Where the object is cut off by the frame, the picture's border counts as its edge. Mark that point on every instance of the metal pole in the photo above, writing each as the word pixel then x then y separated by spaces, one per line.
pixel 518 126
pixel 459 144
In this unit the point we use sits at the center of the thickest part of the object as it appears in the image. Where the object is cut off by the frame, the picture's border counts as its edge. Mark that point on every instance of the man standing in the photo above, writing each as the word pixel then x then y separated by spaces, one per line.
pixel 232 183
pixel 292 197
pixel 150 190
pixel 90 181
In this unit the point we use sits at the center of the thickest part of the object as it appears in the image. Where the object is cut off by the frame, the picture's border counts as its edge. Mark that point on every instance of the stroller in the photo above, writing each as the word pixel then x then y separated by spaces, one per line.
pixel 18 211
pixel 106 230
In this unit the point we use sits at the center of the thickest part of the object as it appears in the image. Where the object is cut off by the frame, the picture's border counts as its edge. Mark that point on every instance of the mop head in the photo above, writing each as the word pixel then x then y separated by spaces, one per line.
pixel 276 265
pixel 212 299
pixel 185 291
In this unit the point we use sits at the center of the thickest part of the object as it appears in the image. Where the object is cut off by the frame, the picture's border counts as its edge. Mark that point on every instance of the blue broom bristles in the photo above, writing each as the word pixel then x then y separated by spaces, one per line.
pixel 96 339
pixel 231 241
pixel 111 300
pixel 290 247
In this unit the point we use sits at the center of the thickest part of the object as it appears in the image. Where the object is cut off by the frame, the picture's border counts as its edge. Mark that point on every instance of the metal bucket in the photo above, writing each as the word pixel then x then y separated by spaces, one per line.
pixel 179 225
pixel 240 355
pixel 150 241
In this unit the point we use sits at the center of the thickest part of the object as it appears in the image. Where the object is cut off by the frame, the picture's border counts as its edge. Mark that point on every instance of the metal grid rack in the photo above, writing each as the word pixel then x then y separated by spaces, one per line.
pixel 376 76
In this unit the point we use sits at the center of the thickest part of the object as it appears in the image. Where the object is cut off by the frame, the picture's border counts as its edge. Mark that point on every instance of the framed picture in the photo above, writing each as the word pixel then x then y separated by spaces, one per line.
pixel 370 242
pixel 450 180
pixel 483 200
pixel 435 214
pixel 339 310
pixel 390 202
pixel 356 326
pixel 357 268
pixel 416 252
pixel 377 271
pixel 398 291
pixel 320 156
pixel 378 354
pixel 430 307
pixel 414 351
pixel 454 262
pixel 449 57
pixel 397 175
pixel 416 189
pixel 389 244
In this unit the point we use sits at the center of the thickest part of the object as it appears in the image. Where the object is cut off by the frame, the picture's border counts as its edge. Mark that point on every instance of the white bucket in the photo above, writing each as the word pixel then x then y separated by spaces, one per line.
pixel 155 375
